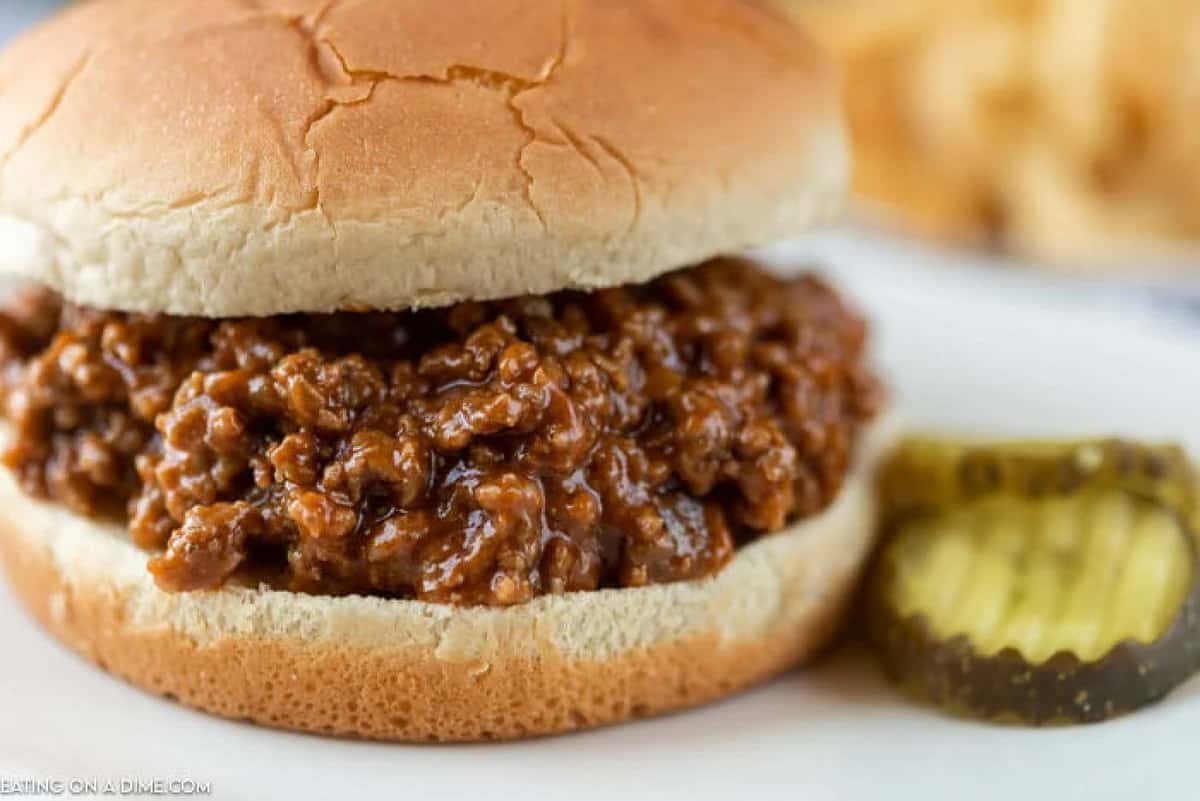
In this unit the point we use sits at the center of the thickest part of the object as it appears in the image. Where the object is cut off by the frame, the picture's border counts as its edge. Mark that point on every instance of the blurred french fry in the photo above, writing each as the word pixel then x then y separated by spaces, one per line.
pixel 1058 128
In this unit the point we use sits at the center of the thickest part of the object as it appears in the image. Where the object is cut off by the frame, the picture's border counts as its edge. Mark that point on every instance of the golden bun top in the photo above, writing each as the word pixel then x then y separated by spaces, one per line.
pixel 231 157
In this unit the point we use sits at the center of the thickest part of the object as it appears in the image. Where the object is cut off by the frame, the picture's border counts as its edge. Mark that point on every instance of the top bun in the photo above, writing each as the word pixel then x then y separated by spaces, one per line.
pixel 234 157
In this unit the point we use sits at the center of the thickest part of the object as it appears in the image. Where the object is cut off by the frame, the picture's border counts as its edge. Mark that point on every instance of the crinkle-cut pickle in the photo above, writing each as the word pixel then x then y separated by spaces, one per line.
pixel 1038 582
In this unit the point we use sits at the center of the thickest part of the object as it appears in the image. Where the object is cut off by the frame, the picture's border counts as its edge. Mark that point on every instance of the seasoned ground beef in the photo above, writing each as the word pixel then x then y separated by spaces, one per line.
pixel 481 454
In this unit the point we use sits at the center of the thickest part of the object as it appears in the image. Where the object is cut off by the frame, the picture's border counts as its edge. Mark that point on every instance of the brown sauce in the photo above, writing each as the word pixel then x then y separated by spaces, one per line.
pixel 485 453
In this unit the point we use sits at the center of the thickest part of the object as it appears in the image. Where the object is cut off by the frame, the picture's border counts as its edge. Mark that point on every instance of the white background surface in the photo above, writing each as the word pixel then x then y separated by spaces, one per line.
pixel 15 15
pixel 969 349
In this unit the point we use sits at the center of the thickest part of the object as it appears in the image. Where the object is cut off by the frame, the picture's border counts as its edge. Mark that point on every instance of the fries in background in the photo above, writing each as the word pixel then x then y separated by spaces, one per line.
pixel 1061 129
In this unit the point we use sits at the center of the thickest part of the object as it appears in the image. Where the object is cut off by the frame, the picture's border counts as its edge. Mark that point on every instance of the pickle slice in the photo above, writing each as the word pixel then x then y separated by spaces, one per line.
pixel 1038 582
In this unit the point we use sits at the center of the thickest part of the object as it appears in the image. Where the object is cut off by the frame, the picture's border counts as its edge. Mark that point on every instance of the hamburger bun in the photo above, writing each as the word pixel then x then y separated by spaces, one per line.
pixel 412 671
pixel 226 158
pixel 260 157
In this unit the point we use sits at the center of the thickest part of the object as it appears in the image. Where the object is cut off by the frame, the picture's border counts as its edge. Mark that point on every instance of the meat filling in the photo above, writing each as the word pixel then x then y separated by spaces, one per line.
pixel 485 453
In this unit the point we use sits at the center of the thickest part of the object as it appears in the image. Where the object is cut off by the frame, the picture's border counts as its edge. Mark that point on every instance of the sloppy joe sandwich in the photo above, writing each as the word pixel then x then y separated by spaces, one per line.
pixel 384 370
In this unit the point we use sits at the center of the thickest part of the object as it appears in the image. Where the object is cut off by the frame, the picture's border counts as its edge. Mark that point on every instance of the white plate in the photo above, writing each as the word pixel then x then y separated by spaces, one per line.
pixel 969 350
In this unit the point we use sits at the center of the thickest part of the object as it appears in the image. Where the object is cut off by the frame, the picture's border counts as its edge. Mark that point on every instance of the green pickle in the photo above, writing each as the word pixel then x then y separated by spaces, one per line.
pixel 1038 582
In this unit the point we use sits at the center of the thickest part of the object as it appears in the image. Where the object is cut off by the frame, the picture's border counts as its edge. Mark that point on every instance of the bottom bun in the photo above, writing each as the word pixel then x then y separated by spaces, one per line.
pixel 406 670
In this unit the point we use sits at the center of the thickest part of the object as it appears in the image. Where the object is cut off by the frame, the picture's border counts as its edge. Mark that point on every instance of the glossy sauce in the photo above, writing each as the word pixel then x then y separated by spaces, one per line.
pixel 485 453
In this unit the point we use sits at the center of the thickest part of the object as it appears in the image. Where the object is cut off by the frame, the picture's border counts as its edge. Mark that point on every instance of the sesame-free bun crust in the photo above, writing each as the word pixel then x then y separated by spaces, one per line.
pixel 405 670
pixel 229 157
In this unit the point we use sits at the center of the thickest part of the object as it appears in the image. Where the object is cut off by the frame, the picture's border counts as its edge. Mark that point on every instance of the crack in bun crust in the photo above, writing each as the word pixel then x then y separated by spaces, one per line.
pixel 399 163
